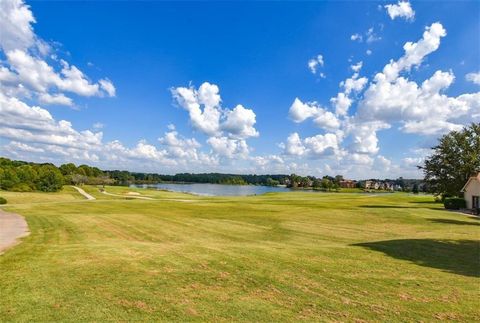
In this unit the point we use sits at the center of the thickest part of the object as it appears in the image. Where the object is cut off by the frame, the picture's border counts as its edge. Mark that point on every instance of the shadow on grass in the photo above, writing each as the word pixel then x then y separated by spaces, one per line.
pixel 461 257
pixel 413 207
pixel 426 202
pixel 448 221
pixel 386 207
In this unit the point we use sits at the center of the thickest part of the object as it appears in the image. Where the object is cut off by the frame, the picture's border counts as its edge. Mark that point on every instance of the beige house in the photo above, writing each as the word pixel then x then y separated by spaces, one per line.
pixel 471 192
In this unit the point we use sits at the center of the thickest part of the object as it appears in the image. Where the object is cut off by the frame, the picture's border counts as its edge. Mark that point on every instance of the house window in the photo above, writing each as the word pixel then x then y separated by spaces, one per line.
pixel 475 202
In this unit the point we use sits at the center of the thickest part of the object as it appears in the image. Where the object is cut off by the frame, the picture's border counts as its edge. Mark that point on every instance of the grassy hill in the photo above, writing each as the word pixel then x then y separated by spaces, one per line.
pixel 275 257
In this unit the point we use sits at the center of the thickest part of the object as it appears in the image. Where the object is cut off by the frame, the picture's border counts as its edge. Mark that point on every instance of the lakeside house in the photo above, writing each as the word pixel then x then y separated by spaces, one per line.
pixel 471 192
pixel 348 183
pixel 379 185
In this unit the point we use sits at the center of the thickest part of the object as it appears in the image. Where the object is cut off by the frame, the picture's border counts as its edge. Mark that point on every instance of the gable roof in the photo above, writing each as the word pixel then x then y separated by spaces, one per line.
pixel 469 180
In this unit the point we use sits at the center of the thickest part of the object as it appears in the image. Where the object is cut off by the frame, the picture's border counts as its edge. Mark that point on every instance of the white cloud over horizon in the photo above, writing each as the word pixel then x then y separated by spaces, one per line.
pixel 31 132
pixel 227 129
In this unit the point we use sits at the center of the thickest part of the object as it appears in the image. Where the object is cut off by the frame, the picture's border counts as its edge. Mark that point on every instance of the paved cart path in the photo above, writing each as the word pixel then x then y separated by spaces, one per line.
pixel 12 228
pixel 81 191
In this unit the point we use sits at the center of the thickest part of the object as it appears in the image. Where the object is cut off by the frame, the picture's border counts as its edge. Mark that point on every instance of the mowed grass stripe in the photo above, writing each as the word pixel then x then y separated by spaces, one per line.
pixel 275 257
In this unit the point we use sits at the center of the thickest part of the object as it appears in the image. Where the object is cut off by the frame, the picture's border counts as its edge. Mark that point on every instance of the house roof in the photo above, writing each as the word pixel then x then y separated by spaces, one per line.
pixel 469 180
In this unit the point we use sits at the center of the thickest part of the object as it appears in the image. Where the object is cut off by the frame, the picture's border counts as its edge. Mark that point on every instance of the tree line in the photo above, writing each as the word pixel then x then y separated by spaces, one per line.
pixel 125 178
pixel 21 176
pixel 24 176
pixel 453 161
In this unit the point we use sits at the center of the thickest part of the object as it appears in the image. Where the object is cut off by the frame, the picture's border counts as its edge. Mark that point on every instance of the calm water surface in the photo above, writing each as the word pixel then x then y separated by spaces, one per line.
pixel 216 189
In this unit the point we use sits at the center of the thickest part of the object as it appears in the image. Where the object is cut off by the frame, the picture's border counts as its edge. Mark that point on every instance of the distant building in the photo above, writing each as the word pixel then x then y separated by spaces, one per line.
pixel 347 183
pixel 379 185
pixel 369 185
pixel 388 186
pixel 471 192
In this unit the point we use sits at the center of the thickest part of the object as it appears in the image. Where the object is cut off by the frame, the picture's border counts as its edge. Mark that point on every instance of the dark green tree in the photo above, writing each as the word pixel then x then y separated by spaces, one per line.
pixel 338 179
pixel 305 182
pixel 326 184
pixel 8 178
pixel 454 160
pixel 50 179
pixel 68 169
pixel 415 189
pixel 294 180
pixel 271 182
pixel 87 170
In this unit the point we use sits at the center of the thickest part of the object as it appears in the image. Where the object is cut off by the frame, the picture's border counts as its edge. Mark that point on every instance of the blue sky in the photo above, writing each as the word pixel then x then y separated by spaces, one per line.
pixel 156 55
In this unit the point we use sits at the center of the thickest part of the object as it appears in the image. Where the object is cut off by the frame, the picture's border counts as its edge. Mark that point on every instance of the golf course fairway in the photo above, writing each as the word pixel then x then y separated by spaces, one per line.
pixel 276 257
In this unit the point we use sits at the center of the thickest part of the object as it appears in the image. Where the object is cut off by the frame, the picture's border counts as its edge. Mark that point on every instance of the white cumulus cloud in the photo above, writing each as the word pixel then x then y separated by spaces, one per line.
pixel 402 9
pixel 229 148
pixel 356 37
pixel 473 77
pixel 300 111
pixel 28 72
pixel 314 63
pixel 227 129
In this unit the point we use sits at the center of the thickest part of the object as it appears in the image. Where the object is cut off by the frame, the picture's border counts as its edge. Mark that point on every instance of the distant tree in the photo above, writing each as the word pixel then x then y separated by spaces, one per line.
pixel 400 181
pixel 424 188
pixel 68 169
pixel 454 160
pixel 26 174
pixel 123 177
pixel 78 179
pixel 294 180
pixel 305 182
pixel 50 179
pixel 338 179
pixel 96 172
pixel 232 180
pixel 81 171
pixel 27 177
pixel 87 170
pixel 272 182
pixel 326 184
pixel 8 178
pixel 415 188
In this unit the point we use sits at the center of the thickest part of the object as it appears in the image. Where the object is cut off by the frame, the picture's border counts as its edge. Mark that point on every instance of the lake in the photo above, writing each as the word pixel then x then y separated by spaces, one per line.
pixel 216 189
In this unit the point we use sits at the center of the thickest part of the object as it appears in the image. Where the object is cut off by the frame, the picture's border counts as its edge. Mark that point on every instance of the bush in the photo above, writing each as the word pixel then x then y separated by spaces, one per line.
pixel 50 179
pixel 454 203
pixel 2 200
pixel 6 184
pixel 443 197
pixel 21 187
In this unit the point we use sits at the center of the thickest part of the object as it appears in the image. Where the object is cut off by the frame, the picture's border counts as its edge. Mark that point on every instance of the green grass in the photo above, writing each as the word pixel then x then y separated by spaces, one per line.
pixel 351 190
pixel 66 195
pixel 274 257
